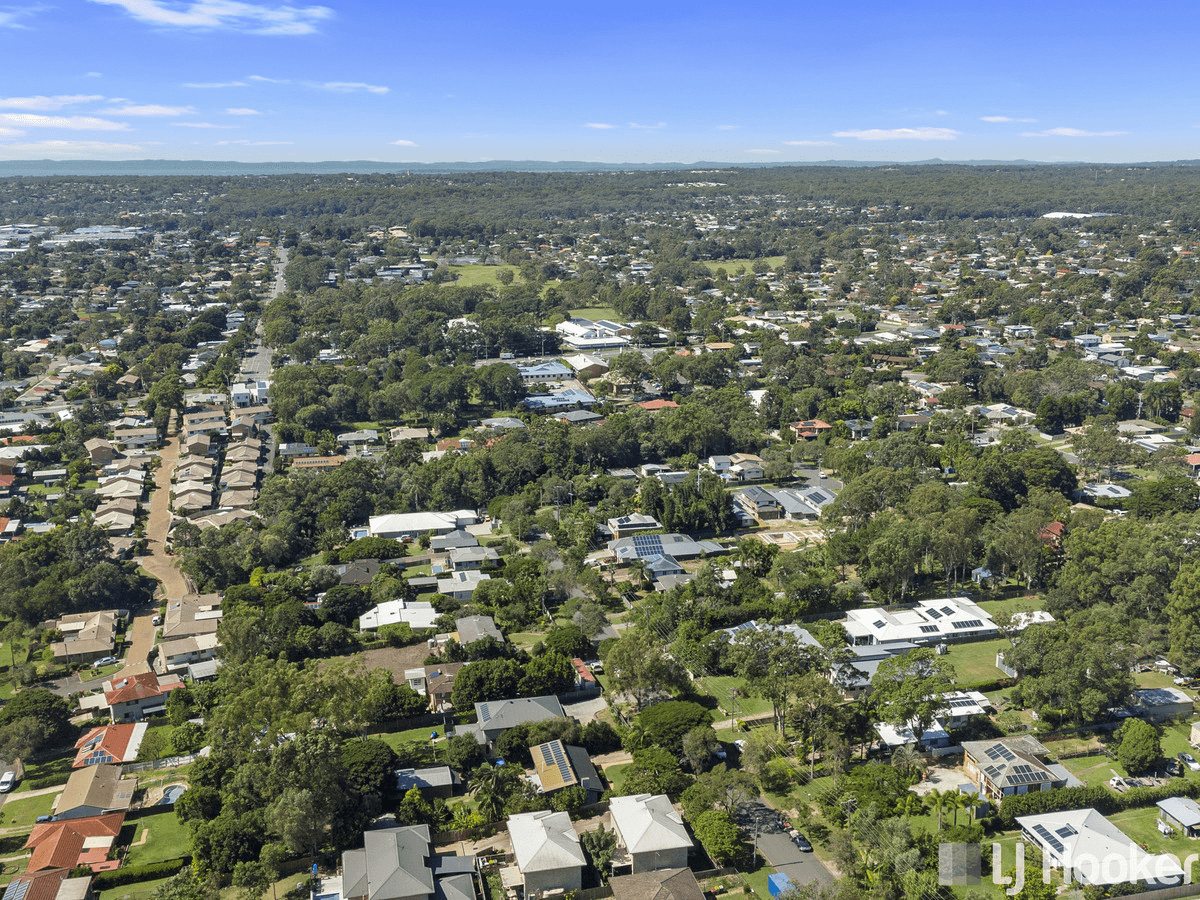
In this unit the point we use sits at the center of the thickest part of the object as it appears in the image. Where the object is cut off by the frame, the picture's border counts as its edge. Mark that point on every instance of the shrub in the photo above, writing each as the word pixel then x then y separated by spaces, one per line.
pixel 134 874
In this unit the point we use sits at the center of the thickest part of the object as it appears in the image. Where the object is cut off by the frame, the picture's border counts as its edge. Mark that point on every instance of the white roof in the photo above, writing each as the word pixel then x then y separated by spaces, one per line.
pixel 418 614
pixel 402 523
pixel 648 823
pixel 1096 849
pixel 545 841
pixel 930 621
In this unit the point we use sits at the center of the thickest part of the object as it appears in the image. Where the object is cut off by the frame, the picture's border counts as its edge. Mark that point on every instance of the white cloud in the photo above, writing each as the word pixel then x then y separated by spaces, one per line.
pixel 214 84
pixel 231 14
pixel 900 134
pixel 811 143
pixel 10 132
pixel 149 110
pixel 1071 132
pixel 47 103
pixel 9 17
pixel 268 80
pixel 764 151
pixel 242 111
pixel 726 127
pixel 346 87
pixel 648 127
pixel 255 143
pixel 93 75
pixel 70 148
pixel 74 123
pixel 603 126
pixel 941 112
pixel 404 143
pixel 200 125
pixel 1004 119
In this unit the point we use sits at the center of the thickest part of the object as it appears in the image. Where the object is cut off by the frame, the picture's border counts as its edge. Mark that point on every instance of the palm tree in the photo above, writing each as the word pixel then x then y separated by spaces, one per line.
pixel 937 801
pixel 907 758
pixel 487 786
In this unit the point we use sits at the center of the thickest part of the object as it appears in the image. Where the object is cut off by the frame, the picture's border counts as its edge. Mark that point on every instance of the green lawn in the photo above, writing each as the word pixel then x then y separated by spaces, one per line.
pixel 1139 825
pixel 162 837
pixel 1008 604
pixel 976 661
pixel 1093 770
pixel 616 777
pixel 143 890
pixel 595 313
pixel 480 274
pixel 25 812
pixel 721 687
pixel 731 266
pixel 58 767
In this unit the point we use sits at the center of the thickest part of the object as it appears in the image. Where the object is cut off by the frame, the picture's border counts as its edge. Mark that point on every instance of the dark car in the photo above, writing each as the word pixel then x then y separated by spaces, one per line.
pixel 1174 767
pixel 801 842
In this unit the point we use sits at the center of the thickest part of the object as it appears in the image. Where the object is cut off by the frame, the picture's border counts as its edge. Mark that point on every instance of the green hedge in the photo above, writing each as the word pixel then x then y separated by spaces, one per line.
pixel 1098 798
pixel 991 684
pixel 36 784
pixel 133 874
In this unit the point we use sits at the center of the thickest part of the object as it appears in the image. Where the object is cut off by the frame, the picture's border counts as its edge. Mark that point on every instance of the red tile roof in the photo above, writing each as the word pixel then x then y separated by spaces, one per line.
pixel 137 687
pixel 106 741
pixel 61 844
pixel 654 405
pixel 42 885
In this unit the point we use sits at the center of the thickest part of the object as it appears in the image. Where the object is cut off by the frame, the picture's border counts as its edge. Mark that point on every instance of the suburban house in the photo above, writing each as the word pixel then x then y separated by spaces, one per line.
pixel 177 655
pixel 557 766
pixel 648 546
pixel 461 585
pixel 663 884
pixel 496 716
pixel 465 559
pixel 435 781
pixel 109 744
pixel 928 622
pixel 135 696
pixel 1012 765
pixel 470 629
pixel 1182 814
pixel 95 791
pixel 87 636
pixel 434 682
pixel 191 615
pixel 1092 850
pixel 74 842
pixel 650 834
pixel 548 853
pixel 412 525
pixel 1161 704
pixel 100 452
pixel 416 613
pixel 399 864
pixel 759 502
pixel 624 526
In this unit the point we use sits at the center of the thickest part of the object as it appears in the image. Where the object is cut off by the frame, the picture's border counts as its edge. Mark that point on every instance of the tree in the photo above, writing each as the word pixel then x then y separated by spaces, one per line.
pixel 296 816
pixel 369 766
pixel 908 689
pixel 569 641
pixel 719 835
pixel 639 668
pixel 1139 745
pixel 51 713
pixel 600 846
pixel 1183 618
pixel 699 745
pixel 667 723
pixel 548 674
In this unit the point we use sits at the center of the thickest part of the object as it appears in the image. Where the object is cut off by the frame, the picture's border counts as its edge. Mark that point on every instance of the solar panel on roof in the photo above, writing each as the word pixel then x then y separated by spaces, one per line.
pixel 929 629
pixel 933 613
pixel 1044 833
pixel 999 751
pixel 1066 831
pixel 948 610
pixel 484 713
pixel 17 890
pixel 1024 775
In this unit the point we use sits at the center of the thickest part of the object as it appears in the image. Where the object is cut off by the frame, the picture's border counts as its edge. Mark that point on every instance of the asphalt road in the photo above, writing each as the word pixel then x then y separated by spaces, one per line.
pixel 803 868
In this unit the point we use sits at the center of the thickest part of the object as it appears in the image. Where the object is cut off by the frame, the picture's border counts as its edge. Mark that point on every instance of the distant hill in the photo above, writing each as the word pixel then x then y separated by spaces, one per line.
pixel 193 167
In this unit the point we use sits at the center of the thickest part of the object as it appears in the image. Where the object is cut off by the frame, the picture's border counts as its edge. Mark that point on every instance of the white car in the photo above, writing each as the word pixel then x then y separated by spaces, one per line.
pixel 8 782
pixel 1190 761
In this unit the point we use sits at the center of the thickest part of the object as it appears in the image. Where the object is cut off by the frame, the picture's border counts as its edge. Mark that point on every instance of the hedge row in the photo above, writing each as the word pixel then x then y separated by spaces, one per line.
pixel 991 684
pixel 36 784
pixel 1098 798
pixel 133 874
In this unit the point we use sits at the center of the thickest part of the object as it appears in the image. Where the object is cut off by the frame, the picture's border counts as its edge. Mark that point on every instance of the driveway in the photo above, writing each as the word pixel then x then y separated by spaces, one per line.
pixel 777 848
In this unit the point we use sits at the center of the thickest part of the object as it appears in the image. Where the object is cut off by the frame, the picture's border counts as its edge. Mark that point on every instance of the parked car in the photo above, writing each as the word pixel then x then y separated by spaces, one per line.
pixel 104 661
pixel 1117 783
pixel 1190 761
pixel 802 843
pixel 8 782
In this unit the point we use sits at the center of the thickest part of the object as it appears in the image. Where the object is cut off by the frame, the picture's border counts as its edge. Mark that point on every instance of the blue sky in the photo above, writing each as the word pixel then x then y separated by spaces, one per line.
pixel 613 82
